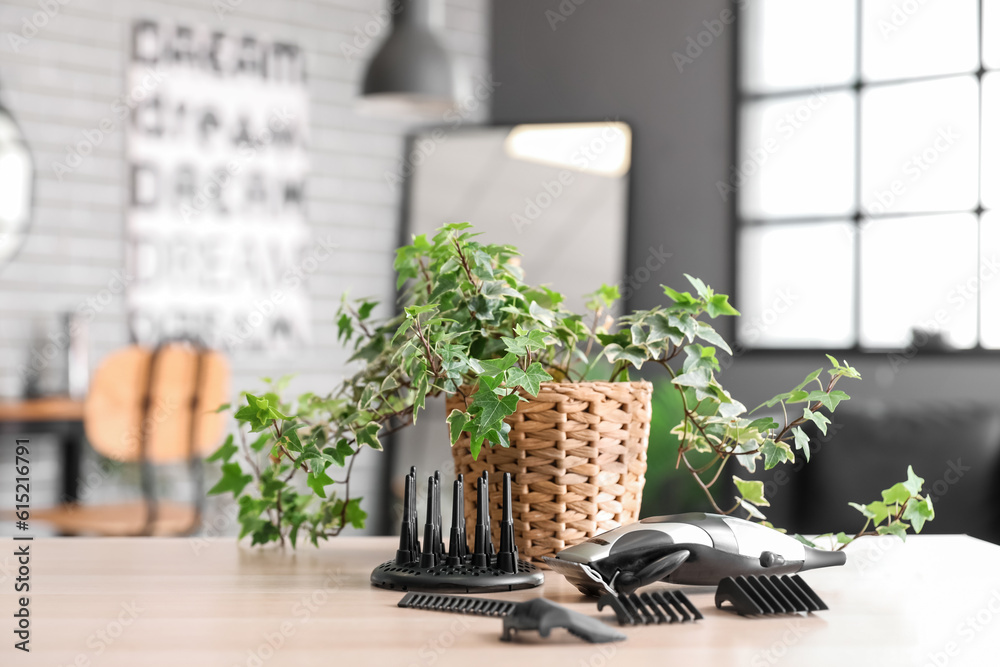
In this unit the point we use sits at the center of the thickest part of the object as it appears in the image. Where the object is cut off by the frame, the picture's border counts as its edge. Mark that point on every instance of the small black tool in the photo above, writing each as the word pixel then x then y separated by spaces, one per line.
pixel 538 614
pixel 767 594
pixel 490 551
pixel 458 604
pixel 429 556
pixel 651 608
pixel 437 513
pixel 411 491
pixel 507 556
pixel 480 552
pixel 544 615
pixel 407 533
pixel 458 547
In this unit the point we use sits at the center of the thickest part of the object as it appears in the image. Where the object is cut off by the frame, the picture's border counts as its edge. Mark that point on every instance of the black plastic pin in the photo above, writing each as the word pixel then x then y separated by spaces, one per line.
pixel 480 558
pixel 438 529
pixel 428 557
pixel 406 530
pixel 414 525
pixel 506 557
pixel 490 551
pixel 456 543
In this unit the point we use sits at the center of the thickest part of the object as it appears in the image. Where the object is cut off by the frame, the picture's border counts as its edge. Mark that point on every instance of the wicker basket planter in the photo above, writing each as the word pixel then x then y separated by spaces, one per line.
pixel 577 460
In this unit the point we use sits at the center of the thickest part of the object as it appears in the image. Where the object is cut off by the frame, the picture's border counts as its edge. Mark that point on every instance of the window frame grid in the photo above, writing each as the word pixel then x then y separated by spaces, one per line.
pixel 857 216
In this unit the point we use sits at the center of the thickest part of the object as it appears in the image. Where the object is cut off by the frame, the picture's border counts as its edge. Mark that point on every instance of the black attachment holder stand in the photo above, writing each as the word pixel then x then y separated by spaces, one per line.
pixel 431 567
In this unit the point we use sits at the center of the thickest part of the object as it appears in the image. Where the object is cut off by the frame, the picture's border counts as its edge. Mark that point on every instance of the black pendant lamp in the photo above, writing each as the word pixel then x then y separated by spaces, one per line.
pixel 411 75
pixel 16 180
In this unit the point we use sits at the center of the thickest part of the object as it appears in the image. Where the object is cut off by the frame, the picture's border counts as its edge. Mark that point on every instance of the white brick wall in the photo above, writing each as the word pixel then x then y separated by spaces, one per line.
pixel 64 80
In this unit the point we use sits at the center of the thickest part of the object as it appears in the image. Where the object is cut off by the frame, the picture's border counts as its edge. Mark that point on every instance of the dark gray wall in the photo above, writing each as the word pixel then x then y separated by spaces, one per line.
pixel 614 59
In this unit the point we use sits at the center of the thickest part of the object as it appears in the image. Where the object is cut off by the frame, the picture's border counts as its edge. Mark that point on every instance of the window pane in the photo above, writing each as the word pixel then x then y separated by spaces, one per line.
pixel 789 44
pixel 990 280
pixel 991 141
pixel 991 34
pixel 918 38
pixel 920 146
pixel 779 308
pixel 797 157
pixel 919 273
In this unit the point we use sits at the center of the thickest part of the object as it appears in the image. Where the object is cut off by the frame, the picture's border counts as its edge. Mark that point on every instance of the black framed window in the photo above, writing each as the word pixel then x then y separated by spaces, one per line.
pixel 867 182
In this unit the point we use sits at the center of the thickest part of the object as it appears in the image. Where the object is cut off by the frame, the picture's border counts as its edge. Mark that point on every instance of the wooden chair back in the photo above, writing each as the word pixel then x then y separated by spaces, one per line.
pixel 162 401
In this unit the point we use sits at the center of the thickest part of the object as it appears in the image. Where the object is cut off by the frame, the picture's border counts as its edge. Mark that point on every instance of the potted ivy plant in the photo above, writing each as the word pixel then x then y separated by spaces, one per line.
pixel 532 389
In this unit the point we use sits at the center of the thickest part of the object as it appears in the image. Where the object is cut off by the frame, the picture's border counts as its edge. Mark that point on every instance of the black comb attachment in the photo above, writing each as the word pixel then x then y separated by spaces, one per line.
pixel 761 595
pixel 651 608
pixel 537 614
pixel 457 604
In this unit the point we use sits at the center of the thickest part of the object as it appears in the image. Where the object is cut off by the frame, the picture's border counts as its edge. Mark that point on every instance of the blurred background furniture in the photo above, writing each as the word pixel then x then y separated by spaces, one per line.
pixel 150 407
pixel 956 449
pixel 59 416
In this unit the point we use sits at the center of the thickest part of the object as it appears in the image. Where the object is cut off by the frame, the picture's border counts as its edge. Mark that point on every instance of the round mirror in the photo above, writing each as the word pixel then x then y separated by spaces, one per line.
pixel 15 192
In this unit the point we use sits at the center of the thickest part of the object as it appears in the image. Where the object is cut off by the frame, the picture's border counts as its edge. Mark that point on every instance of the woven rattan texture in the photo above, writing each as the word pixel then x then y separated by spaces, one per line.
pixel 577 460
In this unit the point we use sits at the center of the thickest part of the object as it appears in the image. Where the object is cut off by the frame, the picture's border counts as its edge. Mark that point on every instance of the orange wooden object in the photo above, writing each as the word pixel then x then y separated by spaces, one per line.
pixel 180 374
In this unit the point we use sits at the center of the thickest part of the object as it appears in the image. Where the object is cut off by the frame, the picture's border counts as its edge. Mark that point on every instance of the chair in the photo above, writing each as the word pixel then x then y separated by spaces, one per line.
pixel 151 407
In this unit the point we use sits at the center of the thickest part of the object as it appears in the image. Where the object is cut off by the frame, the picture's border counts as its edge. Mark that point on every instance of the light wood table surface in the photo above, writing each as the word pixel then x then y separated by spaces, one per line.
pixel 151 602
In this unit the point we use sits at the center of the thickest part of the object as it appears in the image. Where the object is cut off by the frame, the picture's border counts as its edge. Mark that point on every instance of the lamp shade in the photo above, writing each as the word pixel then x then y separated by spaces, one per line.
pixel 16 180
pixel 411 74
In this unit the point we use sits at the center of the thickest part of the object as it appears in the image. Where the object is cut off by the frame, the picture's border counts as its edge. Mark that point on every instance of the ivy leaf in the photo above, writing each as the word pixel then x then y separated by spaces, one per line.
pixel 748 461
pixel 828 400
pixel 918 512
pixel 660 329
pixel 492 367
pixel 913 483
pixel 456 422
pixel 354 514
pixel 703 290
pixel 680 298
pixel 802 441
pixel 876 511
pixel 805 541
pixel 490 409
pixel 543 315
pixel 718 304
pixel 368 435
pixel 340 453
pixel 633 354
pixel 897 494
pixel 763 424
pixel 775 453
pixel 317 480
pixel 751 491
pixel 897 528
pixel 233 480
pixel 530 380
pixel 712 336
pixel 225 452
pixel 345 329
pixel 809 378
pixel 751 510
pixel 699 379
pixel 817 418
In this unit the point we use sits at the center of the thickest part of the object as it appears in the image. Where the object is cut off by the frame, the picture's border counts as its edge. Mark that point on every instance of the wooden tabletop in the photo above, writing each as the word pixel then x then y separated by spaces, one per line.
pixel 41 410
pixel 192 602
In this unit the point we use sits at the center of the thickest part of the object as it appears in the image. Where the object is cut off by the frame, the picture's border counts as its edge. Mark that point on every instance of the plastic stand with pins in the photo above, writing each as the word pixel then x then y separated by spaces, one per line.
pixel 432 568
